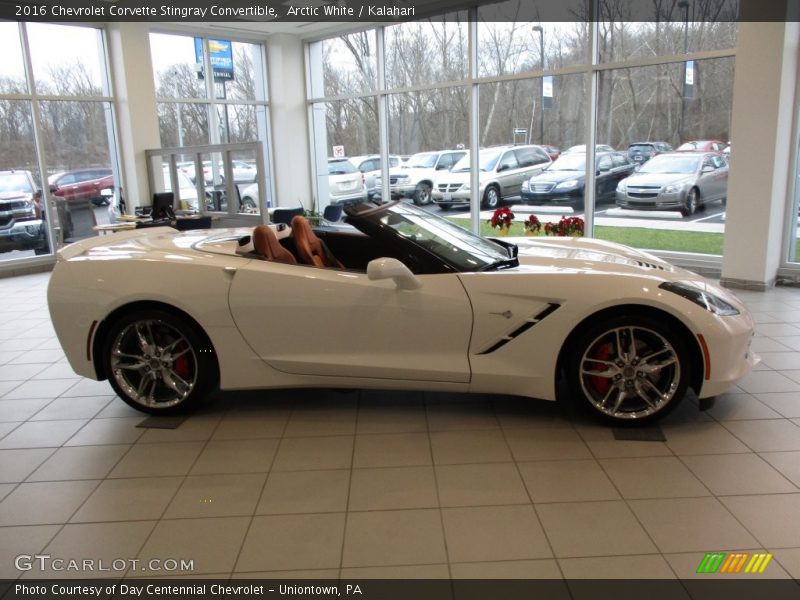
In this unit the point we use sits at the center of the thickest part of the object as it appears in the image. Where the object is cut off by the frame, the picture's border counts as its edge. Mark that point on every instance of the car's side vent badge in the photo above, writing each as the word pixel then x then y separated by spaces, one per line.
pixel 530 322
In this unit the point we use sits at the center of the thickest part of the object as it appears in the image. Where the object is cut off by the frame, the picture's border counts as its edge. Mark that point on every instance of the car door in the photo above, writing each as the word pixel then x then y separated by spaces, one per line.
pixel 508 174
pixel 711 180
pixel 329 322
pixel 604 176
pixel 532 161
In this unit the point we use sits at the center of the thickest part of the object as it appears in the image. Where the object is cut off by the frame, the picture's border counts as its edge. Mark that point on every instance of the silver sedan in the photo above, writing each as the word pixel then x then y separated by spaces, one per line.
pixel 676 181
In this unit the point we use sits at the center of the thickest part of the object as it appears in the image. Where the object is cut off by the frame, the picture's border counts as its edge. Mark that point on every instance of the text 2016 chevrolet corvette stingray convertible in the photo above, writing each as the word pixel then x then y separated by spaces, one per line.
pixel 396 299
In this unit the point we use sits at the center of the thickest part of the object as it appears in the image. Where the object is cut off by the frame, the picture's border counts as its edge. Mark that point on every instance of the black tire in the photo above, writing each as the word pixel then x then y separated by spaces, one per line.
pixel 690 203
pixel 491 197
pixel 422 194
pixel 600 371
pixel 158 362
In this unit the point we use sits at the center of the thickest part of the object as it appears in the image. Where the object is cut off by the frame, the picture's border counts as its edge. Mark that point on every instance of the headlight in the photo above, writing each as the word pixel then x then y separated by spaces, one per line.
pixel 402 178
pixel 465 187
pixel 703 298
pixel 673 188
pixel 622 186
pixel 570 183
pixel 526 185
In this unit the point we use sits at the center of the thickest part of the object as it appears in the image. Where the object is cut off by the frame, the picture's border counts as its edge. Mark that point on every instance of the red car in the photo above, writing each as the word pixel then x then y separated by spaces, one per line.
pixel 552 151
pixel 702 146
pixel 82 184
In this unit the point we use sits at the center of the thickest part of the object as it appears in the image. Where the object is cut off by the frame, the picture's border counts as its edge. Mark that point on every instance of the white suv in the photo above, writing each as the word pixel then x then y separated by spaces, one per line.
pixel 502 171
pixel 414 178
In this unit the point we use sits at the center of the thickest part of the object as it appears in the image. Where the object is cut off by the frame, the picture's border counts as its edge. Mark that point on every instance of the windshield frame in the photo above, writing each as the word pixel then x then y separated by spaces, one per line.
pixel 453 247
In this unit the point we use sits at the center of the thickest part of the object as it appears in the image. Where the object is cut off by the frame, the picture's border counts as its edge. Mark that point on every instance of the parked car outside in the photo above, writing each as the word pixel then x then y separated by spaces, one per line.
pixel 414 179
pixel 21 223
pixel 243 172
pixel 581 149
pixel 502 171
pixel 564 182
pixel 702 146
pixel 641 152
pixel 82 185
pixel 346 184
pixel 677 180
pixel 552 151
pixel 370 166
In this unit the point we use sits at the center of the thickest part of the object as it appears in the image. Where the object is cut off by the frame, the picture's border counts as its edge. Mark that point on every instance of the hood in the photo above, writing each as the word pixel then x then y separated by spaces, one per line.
pixel 660 179
pixel 551 176
pixel 579 254
pixel 456 177
pixel 6 196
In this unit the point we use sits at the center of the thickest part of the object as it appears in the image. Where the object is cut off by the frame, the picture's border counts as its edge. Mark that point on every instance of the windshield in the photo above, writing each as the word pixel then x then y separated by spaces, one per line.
pixel 487 159
pixel 641 148
pixel 340 167
pixel 423 160
pixel 684 165
pixel 452 244
pixel 15 182
pixel 570 162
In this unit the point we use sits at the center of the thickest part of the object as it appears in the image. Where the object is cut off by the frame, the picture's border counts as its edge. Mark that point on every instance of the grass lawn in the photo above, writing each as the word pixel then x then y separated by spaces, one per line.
pixel 637 237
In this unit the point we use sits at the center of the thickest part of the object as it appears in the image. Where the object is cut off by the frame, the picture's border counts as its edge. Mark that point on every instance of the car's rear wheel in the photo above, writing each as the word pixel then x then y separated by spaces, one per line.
pixel 159 362
pixel 422 195
pixel 690 203
pixel 491 198
pixel 628 369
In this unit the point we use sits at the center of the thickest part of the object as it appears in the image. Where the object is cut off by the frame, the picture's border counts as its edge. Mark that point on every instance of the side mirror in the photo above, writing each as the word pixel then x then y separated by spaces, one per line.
pixel 391 268
pixel 503 168
pixel 707 169
pixel 52 188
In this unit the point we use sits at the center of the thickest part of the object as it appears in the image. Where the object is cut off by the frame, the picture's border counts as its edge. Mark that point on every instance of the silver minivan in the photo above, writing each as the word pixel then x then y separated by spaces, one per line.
pixel 502 171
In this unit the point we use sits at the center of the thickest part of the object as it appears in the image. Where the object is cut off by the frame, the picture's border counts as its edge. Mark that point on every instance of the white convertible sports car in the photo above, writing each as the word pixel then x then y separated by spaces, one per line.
pixel 397 299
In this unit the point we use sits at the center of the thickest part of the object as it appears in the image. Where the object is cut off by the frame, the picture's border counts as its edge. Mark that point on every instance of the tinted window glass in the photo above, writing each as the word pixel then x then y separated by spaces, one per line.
pixel 509 161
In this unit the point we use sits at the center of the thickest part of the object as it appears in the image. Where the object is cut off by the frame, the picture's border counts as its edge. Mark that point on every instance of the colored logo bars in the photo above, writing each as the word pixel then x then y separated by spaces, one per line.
pixel 734 562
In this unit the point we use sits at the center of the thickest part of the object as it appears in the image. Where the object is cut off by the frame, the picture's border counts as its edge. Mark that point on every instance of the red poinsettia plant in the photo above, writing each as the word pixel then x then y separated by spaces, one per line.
pixel 567 226
pixel 532 225
pixel 502 218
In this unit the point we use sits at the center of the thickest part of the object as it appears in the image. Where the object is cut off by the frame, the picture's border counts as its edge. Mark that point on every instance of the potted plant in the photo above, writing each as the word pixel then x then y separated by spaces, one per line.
pixel 532 225
pixel 502 219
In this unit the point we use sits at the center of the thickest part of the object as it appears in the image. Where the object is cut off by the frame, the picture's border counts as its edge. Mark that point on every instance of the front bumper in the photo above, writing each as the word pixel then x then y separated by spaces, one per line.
pixel 556 197
pixel 456 198
pixel 729 355
pixel 660 201
pixel 22 235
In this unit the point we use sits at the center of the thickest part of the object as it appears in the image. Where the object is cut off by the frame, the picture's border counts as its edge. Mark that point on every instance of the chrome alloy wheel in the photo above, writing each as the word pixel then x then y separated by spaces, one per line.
pixel 630 373
pixel 153 363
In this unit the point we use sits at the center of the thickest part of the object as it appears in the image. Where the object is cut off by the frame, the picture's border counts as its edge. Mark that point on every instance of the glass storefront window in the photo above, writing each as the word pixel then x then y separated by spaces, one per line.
pixel 12 73
pixel 672 200
pixel 67 60
pixel 421 53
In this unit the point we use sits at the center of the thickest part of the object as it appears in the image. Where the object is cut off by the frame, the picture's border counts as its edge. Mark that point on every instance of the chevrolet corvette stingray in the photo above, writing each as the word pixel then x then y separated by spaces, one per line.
pixel 397 298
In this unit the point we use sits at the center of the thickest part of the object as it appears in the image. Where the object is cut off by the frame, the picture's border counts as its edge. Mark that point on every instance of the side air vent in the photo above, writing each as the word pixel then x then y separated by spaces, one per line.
pixel 530 322
pixel 648 265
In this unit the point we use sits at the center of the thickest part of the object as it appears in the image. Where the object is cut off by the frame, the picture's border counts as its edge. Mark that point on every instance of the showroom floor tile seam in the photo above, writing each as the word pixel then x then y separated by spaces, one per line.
pixel 263 487
pixel 547 537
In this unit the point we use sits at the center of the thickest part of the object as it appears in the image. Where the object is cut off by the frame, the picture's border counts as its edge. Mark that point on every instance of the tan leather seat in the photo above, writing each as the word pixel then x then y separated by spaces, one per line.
pixel 311 249
pixel 266 244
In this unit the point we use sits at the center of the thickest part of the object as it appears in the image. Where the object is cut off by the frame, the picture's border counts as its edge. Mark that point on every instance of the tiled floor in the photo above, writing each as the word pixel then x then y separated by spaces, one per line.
pixel 378 484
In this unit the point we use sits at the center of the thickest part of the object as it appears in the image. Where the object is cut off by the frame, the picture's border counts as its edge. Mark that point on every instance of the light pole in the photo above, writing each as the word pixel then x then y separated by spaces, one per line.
pixel 541 68
pixel 684 4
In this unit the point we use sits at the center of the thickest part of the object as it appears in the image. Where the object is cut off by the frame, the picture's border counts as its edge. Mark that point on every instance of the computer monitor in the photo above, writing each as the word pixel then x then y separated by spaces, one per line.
pixel 163 205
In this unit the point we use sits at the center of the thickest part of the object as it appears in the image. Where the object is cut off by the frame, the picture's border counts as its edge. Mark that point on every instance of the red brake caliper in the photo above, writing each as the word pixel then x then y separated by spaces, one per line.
pixel 182 366
pixel 601 384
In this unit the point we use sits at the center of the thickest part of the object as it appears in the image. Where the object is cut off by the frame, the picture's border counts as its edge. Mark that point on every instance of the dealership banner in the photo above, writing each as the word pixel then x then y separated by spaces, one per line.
pixel 371 11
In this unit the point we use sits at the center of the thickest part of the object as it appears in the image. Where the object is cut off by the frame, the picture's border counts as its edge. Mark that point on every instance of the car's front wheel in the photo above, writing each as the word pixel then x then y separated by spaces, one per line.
pixel 690 203
pixel 422 195
pixel 628 369
pixel 159 362
pixel 491 198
